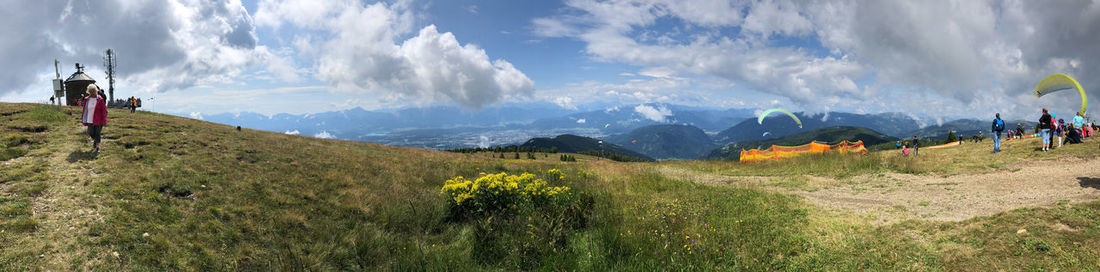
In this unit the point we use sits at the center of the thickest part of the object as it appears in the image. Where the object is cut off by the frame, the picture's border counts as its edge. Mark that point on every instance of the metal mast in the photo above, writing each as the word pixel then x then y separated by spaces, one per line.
pixel 109 63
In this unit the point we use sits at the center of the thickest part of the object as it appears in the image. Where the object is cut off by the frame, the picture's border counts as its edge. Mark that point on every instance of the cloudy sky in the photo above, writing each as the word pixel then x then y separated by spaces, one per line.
pixel 933 59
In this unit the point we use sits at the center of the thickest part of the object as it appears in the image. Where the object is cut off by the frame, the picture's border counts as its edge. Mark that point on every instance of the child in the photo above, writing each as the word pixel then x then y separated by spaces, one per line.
pixel 905 149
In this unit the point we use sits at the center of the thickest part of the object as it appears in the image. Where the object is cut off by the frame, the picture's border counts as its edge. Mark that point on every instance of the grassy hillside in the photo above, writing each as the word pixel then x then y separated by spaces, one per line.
pixel 578 144
pixel 169 193
pixel 666 141
pixel 829 135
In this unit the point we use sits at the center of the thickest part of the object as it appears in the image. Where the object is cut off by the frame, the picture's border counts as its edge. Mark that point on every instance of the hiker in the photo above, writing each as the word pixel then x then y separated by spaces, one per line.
pixel 95 115
pixel 1045 125
pixel 133 104
pixel 1019 130
pixel 51 100
pixel 1078 121
pixel 998 127
pixel 897 145
pixel 916 145
pixel 1072 135
pixel 1059 130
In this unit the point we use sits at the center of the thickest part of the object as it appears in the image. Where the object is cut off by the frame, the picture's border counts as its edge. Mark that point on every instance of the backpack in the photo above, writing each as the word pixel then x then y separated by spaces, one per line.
pixel 998 125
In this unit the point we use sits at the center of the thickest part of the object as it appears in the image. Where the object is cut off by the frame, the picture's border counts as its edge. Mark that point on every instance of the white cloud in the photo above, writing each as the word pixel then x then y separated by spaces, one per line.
pixel 293 132
pixel 967 56
pixel 161 46
pixel 324 135
pixel 581 121
pixel 659 114
pixel 362 54
pixel 196 115
pixel 565 102
pixel 483 141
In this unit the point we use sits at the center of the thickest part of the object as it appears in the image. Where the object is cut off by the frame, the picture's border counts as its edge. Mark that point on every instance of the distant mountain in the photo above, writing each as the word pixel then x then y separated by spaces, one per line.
pixel 578 144
pixel 830 135
pixel 623 119
pixel 666 141
pixel 775 126
pixel 357 122
pixel 967 128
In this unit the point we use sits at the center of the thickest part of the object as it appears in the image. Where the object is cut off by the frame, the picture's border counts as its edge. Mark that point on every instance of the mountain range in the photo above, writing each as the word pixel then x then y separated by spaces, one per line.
pixel 660 131
pixel 666 141
pixel 578 144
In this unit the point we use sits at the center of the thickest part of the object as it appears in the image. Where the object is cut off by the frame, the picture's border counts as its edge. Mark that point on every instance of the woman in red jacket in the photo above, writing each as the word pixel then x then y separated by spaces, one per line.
pixel 95 114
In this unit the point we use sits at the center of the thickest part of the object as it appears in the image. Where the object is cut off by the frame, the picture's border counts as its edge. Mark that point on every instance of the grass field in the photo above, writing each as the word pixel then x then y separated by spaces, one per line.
pixel 170 193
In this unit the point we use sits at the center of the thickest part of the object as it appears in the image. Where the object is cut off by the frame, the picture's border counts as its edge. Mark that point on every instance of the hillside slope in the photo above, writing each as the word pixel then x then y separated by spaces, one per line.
pixel 578 144
pixel 666 141
pixel 830 135
pixel 170 193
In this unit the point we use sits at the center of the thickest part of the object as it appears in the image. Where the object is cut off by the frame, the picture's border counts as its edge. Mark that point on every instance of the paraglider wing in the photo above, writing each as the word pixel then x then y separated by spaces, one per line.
pixel 760 120
pixel 1061 82
pixel 765 134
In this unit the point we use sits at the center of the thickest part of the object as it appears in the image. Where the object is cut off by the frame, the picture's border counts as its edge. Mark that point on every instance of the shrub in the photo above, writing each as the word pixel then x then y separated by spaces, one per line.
pixel 519 222
pixel 501 192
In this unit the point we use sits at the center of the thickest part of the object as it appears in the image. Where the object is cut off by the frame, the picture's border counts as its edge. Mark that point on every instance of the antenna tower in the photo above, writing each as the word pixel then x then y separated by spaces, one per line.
pixel 109 64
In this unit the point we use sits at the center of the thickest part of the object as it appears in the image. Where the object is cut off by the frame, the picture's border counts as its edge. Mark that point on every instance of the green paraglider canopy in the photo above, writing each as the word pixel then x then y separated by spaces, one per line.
pixel 760 120
pixel 1061 82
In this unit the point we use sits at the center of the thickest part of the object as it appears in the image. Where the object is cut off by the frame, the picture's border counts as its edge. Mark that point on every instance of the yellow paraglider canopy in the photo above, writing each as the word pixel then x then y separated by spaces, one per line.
pixel 1059 82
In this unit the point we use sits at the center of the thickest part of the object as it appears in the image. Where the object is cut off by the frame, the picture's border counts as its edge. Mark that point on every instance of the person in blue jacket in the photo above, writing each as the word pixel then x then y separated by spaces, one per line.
pixel 998 127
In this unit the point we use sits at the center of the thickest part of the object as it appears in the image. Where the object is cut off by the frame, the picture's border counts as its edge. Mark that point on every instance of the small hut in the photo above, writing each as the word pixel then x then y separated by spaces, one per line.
pixel 76 85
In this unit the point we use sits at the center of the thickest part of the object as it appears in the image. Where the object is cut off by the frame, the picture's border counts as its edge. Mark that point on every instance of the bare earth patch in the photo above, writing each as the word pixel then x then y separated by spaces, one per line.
pixel 892 197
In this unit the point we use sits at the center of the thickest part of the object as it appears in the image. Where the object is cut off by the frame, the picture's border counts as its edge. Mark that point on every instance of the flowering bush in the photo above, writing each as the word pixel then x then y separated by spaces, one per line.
pixel 500 192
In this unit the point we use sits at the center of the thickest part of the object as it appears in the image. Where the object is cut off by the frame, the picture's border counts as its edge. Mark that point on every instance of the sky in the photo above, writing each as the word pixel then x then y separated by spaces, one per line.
pixel 933 60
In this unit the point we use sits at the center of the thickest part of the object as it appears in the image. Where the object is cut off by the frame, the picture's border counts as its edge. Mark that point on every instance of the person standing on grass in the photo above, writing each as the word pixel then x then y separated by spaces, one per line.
pixel 998 127
pixel 1078 121
pixel 1059 129
pixel 95 115
pixel 916 145
pixel 1045 125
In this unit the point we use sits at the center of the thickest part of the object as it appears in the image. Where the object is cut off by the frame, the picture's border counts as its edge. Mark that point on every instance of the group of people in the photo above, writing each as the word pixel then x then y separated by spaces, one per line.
pixel 132 103
pixel 1052 131
pixel 1058 130
pixel 904 146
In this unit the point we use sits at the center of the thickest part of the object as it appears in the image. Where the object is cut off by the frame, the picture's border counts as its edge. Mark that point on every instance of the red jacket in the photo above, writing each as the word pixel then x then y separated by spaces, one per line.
pixel 98 115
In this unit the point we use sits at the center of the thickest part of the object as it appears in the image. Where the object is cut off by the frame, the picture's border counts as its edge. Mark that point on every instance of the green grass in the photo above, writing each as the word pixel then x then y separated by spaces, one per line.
pixel 180 194
pixel 970 158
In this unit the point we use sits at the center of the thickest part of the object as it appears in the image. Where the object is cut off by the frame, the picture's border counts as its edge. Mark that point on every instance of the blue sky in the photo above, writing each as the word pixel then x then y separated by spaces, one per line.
pixel 930 59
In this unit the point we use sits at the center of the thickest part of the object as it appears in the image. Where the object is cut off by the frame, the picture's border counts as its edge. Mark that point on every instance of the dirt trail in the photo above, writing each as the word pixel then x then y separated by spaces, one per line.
pixel 892 197
pixel 67 209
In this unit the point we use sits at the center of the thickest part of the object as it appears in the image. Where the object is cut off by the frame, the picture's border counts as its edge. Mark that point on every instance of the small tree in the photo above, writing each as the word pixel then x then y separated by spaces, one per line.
pixel 951 136
pixel 517 155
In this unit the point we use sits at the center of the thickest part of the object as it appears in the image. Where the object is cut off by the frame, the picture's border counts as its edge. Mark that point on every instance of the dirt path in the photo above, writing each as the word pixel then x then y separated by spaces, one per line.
pixel 892 197
pixel 67 209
